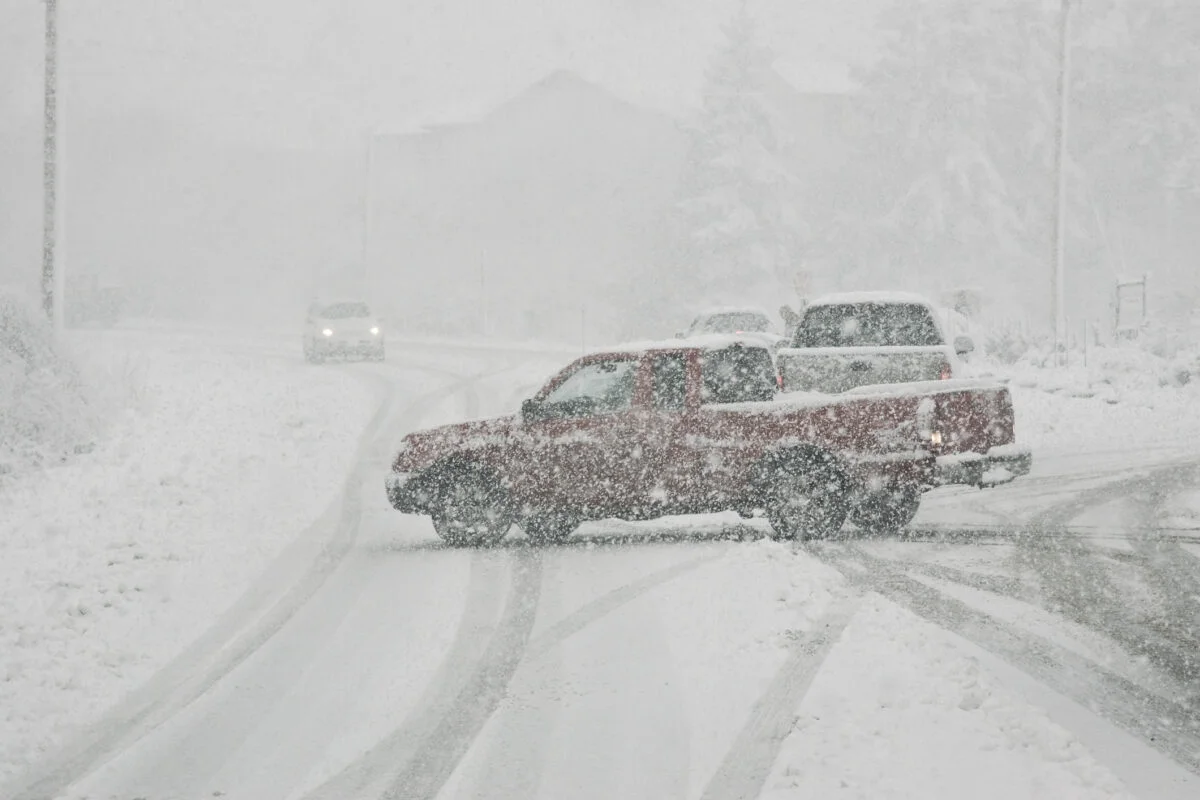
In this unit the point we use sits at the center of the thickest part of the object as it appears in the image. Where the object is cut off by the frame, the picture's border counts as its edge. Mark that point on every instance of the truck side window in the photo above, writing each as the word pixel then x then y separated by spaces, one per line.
pixel 670 382
pixel 738 374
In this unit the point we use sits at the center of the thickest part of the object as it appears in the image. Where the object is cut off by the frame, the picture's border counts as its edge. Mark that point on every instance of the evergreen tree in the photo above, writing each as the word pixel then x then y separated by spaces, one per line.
pixel 735 232
pixel 958 133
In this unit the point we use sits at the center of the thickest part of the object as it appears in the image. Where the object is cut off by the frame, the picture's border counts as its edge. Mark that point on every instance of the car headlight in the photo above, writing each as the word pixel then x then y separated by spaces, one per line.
pixel 375 331
pixel 327 332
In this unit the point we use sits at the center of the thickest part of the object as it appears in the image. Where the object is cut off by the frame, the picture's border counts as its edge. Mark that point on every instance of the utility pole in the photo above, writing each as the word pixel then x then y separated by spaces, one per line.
pixel 368 221
pixel 1060 192
pixel 50 163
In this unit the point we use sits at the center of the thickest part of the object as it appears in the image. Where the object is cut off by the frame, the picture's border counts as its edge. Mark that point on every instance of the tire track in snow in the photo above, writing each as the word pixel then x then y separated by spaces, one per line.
pixel 302 569
pixel 1075 582
pixel 608 603
pixel 437 756
pixel 517 760
pixel 366 777
pixel 1168 727
pixel 748 763
pixel 1174 581
pixel 466 659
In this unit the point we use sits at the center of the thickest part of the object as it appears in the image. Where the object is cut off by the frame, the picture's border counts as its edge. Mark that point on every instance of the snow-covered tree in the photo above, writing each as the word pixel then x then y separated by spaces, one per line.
pixel 736 234
pixel 958 136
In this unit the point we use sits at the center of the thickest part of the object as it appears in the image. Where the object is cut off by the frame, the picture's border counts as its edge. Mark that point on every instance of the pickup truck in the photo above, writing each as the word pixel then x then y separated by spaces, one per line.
pixel 873 342
pixel 681 427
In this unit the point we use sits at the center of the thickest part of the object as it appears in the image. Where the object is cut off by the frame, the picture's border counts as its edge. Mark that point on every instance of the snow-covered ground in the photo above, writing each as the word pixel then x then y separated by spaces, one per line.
pixel 639 668
pixel 113 562
pixel 901 710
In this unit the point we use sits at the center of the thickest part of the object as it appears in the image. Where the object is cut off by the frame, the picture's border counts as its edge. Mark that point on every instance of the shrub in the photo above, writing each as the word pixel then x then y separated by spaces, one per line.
pixel 45 415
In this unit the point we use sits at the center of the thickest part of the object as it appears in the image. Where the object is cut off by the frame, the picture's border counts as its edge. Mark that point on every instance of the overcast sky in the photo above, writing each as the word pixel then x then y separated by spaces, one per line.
pixel 302 72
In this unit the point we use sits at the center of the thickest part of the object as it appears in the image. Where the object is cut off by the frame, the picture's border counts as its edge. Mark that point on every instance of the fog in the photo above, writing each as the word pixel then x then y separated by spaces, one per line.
pixel 518 169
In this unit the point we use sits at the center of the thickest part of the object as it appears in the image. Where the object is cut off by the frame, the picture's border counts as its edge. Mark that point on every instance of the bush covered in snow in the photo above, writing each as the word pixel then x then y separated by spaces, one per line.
pixel 45 414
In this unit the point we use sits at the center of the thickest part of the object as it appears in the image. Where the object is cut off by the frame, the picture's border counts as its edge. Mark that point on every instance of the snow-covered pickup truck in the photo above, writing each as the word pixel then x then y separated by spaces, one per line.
pixel 873 343
pixel 681 427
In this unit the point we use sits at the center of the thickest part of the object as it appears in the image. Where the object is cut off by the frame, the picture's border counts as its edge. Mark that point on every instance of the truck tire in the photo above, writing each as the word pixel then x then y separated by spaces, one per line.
pixel 887 512
pixel 809 498
pixel 549 527
pixel 472 508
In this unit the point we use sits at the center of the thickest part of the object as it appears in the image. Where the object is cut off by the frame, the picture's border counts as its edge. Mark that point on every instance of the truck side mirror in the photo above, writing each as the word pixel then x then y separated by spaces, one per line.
pixel 530 410
pixel 964 345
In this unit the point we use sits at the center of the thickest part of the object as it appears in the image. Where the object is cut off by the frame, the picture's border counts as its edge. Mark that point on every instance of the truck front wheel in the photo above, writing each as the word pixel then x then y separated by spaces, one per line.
pixel 808 499
pixel 887 512
pixel 472 509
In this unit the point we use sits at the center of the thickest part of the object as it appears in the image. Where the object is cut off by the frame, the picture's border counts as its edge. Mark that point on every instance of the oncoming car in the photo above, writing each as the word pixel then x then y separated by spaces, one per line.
pixel 345 328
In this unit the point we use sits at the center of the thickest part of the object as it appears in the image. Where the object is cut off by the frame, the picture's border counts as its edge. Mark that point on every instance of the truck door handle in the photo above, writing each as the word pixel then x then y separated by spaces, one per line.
pixel 860 366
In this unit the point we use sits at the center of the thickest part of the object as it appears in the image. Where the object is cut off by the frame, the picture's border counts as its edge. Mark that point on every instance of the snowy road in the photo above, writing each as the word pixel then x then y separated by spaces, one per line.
pixel 694 660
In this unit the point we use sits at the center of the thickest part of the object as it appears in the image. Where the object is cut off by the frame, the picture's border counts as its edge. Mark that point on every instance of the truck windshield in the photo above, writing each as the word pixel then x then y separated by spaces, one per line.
pixel 868 325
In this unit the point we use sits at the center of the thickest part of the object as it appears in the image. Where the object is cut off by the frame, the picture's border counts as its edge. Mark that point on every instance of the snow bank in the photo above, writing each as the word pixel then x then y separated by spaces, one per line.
pixel 112 563
pixel 899 711
pixel 1053 424
pixel 46 413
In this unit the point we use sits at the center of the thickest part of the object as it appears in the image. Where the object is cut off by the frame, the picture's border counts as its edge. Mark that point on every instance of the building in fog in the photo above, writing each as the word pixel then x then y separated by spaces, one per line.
pixel 530 221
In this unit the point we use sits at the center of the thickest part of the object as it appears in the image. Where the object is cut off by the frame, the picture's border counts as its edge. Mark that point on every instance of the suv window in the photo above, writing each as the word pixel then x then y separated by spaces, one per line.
pixel 600 387
pixel 670 382
pixel 868 325
pixel 738 374
pixel 346 311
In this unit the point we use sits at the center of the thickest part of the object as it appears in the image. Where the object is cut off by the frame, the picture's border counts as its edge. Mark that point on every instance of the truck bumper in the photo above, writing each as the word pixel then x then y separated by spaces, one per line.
pixel 997 466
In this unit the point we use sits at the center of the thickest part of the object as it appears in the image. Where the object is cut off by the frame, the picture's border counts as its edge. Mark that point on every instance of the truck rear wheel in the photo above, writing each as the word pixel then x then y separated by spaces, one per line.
pixel 887 512
pixel 472 509
pixel 549 527
pixel 808 499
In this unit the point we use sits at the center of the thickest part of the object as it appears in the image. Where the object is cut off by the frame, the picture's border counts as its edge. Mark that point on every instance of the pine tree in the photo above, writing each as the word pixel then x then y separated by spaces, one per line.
pixel 736 234
pixel 958 131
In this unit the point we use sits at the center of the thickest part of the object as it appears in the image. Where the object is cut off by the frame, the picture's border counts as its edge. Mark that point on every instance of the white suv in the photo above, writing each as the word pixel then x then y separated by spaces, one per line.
pixel 342 328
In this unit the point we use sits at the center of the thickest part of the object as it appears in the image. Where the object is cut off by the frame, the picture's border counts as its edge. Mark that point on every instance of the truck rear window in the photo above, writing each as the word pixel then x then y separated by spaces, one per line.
pixel 868 325
pixel 738 374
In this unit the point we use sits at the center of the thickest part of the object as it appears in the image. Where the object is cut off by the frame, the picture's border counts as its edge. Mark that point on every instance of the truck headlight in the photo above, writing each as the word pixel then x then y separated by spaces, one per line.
pixel 375 331
pixel 935 438
pixel 327 332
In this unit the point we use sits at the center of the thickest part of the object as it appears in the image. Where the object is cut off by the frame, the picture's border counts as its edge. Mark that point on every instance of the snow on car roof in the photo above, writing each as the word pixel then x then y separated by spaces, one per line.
pixel 721 310
pixel 713 341
pixel 329 301
pixel 853 298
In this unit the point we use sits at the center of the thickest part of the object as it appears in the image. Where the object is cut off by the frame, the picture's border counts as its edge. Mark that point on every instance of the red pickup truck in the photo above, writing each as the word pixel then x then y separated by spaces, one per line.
pixel 683 427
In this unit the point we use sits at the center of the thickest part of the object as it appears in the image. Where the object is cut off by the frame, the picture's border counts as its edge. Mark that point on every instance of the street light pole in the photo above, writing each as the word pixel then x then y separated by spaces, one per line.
pixel 1060 192
pixel 50 162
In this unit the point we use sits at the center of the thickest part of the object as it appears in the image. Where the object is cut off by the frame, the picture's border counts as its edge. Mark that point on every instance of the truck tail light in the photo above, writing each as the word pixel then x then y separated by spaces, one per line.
pixel 946 372
pixel 779 381
pixel 927 427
